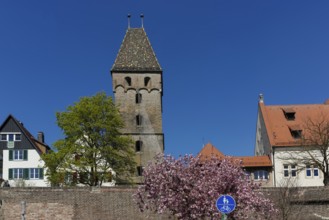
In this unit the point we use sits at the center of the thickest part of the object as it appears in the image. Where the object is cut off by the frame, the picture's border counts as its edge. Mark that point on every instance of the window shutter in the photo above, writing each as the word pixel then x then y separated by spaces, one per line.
pixel 26 174
pixel 41 173
pixel 10 174
pixel 24 154
pixel 10 155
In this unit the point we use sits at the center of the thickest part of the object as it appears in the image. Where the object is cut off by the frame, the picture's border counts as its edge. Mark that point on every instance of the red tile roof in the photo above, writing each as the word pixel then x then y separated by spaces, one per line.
pixel 279 128
pixel 210 150
pixel 255 161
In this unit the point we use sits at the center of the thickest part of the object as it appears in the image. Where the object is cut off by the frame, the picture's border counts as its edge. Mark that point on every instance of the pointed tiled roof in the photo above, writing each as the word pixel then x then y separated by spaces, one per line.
pixel 209 151
pixel 136 53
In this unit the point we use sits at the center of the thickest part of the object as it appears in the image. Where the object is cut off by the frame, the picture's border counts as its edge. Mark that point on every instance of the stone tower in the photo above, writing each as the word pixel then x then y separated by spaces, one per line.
pixel 137 84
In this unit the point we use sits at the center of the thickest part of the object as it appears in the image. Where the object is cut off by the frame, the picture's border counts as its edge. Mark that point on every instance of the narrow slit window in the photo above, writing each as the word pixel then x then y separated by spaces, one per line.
pixel 138 98
pixel 139 120
pixel 139 170
pixel 138 146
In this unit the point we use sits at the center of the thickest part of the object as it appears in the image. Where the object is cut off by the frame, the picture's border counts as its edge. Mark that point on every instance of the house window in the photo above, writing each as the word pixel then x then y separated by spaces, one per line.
pixel 3 137
pixel 139 171
pixel 128 80
pixel 261 175
pixel 17 137
pixel 308 170
pixel 11 137
pixel 35 173
pixel 315 171
pixel 139 120
pixel 25 173
pixel 17 173
pixel 290 170
pixel 293 170
pixel 18 154
pixel 247 174
pixel 68 178
pixel 286 170
pixel 138 146
pixel 146 81
pixel 138 98
pixel 312 171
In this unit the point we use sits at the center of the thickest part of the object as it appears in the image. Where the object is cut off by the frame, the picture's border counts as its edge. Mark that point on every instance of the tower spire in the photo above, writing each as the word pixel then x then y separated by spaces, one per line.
pixel 129 20
pixel 142 20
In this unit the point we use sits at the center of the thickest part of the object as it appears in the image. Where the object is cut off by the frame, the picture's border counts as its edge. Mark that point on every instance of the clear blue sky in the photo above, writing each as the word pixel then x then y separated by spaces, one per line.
pixel 217 56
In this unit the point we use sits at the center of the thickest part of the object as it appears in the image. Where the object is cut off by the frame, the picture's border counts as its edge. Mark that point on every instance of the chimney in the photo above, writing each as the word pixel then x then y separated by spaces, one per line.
pixel 41 137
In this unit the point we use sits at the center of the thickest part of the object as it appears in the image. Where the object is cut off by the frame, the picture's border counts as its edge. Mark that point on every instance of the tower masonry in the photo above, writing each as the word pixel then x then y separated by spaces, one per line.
pixel 138 89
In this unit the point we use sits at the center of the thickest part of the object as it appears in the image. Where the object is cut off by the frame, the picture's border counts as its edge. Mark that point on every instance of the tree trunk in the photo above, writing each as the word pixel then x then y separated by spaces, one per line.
pixel 326 179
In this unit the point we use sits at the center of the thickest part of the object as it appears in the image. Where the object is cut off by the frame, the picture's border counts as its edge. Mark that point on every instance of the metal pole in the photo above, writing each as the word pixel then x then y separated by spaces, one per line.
pixel 23 203
pixel 224 216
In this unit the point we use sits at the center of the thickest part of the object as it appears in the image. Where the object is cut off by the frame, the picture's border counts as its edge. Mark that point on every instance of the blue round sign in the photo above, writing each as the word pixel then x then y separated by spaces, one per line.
pixel 225 204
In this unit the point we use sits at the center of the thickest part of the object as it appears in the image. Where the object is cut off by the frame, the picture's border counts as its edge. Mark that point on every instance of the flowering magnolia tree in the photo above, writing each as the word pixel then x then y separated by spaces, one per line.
pixel 188 188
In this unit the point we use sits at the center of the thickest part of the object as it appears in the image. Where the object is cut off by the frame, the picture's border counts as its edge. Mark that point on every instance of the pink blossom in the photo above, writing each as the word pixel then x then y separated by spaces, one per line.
pixel 188 188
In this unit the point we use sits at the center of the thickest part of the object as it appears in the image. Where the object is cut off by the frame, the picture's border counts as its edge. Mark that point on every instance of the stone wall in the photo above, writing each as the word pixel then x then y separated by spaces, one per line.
pixel 301 202
pixel 70 203
pixel 117 203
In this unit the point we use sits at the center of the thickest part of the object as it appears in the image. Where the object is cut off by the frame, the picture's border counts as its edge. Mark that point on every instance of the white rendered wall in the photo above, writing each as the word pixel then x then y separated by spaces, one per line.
pixel 281 157
pixel 34 161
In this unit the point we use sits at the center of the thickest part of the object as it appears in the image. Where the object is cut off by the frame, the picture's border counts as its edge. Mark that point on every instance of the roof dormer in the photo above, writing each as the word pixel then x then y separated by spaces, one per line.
pixel 296 131
pixel 289 113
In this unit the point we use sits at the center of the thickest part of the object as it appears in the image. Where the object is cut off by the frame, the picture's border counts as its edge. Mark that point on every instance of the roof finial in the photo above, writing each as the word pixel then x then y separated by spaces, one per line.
pixel 142 19
pixel 261 98
pixel 129 20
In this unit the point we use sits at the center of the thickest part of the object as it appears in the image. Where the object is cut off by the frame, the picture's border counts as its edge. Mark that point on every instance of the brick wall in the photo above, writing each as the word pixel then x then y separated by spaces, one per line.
pixel 117 203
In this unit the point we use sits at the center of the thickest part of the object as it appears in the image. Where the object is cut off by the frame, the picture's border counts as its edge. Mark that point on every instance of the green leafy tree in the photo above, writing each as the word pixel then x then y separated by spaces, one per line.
pixel 93 149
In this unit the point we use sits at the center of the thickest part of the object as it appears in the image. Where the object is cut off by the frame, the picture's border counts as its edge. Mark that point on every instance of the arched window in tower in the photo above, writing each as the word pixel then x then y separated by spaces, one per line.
pixel 138 98
pixel 146 81
pixel 138 146
pixel 139 120
pixel 128 80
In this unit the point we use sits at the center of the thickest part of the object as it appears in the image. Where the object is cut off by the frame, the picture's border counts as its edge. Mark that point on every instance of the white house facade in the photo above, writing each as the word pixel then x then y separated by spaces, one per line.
pixel 23 168
pixel 20 155
pixel 294 172
pixel 280 134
